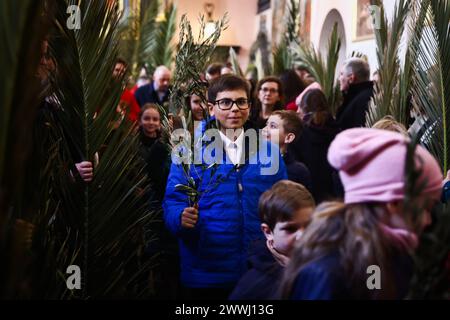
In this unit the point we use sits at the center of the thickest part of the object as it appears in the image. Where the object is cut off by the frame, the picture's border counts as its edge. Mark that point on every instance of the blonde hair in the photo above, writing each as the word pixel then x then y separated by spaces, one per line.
pixel 390 124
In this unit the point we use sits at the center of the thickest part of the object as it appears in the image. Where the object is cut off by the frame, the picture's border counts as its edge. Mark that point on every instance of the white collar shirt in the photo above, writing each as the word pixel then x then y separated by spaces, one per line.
pixel 235 148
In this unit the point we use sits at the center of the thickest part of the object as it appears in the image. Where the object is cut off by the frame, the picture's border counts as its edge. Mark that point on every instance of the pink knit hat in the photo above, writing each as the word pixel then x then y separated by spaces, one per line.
pixel 371 165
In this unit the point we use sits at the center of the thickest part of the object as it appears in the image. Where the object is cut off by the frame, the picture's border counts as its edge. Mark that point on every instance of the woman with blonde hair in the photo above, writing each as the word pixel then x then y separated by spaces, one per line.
pixel 389 123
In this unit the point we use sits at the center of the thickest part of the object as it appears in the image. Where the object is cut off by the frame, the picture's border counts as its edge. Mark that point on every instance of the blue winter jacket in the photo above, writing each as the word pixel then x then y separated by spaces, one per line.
pixel 325 279
pixel 213 254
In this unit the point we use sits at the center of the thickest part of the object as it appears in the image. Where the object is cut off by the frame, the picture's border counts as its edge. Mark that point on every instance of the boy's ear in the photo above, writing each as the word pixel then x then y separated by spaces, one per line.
pixel 267 231
pixel 290 137
pixel 211 109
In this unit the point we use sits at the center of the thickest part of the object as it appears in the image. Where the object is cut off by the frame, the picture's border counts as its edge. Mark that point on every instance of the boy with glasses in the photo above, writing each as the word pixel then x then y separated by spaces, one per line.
pixel 214 234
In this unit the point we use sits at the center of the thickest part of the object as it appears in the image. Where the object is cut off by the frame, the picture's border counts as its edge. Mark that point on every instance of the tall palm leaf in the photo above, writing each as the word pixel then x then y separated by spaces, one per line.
pixel 56 243
pixel 108 209
pixel 323 69
pixel 432 86
pixel 145 34
pixel 392 91
pixel 163 49
pixel 430 277
pixel 147 41
pixel 293 23
pixel 129 29
pixel 283 56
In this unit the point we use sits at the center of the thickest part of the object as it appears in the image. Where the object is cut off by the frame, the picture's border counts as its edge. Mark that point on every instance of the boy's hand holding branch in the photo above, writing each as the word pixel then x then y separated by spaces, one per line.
pixel 189 217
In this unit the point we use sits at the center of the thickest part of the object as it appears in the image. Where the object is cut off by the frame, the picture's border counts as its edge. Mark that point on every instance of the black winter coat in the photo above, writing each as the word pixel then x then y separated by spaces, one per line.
pixel 157 159
pixel 263 277
pixel 312 149
pixel 352 113
pixel 297 171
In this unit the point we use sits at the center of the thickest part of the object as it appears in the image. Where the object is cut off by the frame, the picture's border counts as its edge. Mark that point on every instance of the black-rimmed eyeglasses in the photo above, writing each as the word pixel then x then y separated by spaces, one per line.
pixel 227 104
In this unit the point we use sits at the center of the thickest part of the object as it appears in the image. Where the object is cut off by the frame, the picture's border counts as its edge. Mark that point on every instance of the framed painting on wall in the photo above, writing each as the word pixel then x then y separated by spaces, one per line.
pixel 362 21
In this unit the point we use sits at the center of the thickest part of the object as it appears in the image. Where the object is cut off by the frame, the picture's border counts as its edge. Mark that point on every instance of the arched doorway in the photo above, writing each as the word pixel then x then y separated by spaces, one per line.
pixel 333 17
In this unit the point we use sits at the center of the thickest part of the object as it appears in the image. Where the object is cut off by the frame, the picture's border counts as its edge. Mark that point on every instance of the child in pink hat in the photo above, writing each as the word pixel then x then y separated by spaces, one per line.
pixel 361 249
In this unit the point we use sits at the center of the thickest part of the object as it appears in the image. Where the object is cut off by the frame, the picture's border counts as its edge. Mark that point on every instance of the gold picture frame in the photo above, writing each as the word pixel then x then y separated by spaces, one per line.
pixel 362 21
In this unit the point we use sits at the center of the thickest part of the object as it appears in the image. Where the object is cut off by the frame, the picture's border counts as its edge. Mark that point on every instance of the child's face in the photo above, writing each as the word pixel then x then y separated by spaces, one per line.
pixel 286 233
pixel 269 93
pixel 235 117
pixel 197 107
pixel 274 131
pixel 150 122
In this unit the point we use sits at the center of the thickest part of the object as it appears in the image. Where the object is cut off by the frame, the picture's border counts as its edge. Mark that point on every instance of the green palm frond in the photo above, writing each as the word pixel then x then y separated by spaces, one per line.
pixel 109 210
pixel 192 57
pixel 391 92
pixel 147 41
pixel 432 86
pixel 430 277
pixel 129 30
pixel 323 69
pixel 56 242
pixel 146 37
pixel 282 58
pixel 163 49
pixel 293 23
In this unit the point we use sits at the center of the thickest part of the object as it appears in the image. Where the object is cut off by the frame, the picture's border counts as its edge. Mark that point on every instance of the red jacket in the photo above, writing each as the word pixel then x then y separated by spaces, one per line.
pixel 128 101
pixel 291 106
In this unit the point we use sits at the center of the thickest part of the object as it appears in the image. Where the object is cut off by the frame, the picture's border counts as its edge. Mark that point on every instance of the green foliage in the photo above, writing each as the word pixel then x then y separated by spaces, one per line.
pixel 430 278
pixel 323 69
pixel 192 58
pixel 283 56
pixel 432 86
pixel 162 49
pixel 292 26
pixel 109 211
pixel 392 91
pixel 147 41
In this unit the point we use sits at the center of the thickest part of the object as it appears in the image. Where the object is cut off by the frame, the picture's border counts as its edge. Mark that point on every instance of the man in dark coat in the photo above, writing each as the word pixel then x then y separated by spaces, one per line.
pixel 357 90
pixel 156 91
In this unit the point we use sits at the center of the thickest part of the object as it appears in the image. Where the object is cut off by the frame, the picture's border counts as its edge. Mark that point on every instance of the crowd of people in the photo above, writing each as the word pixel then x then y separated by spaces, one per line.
pixel 310 230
